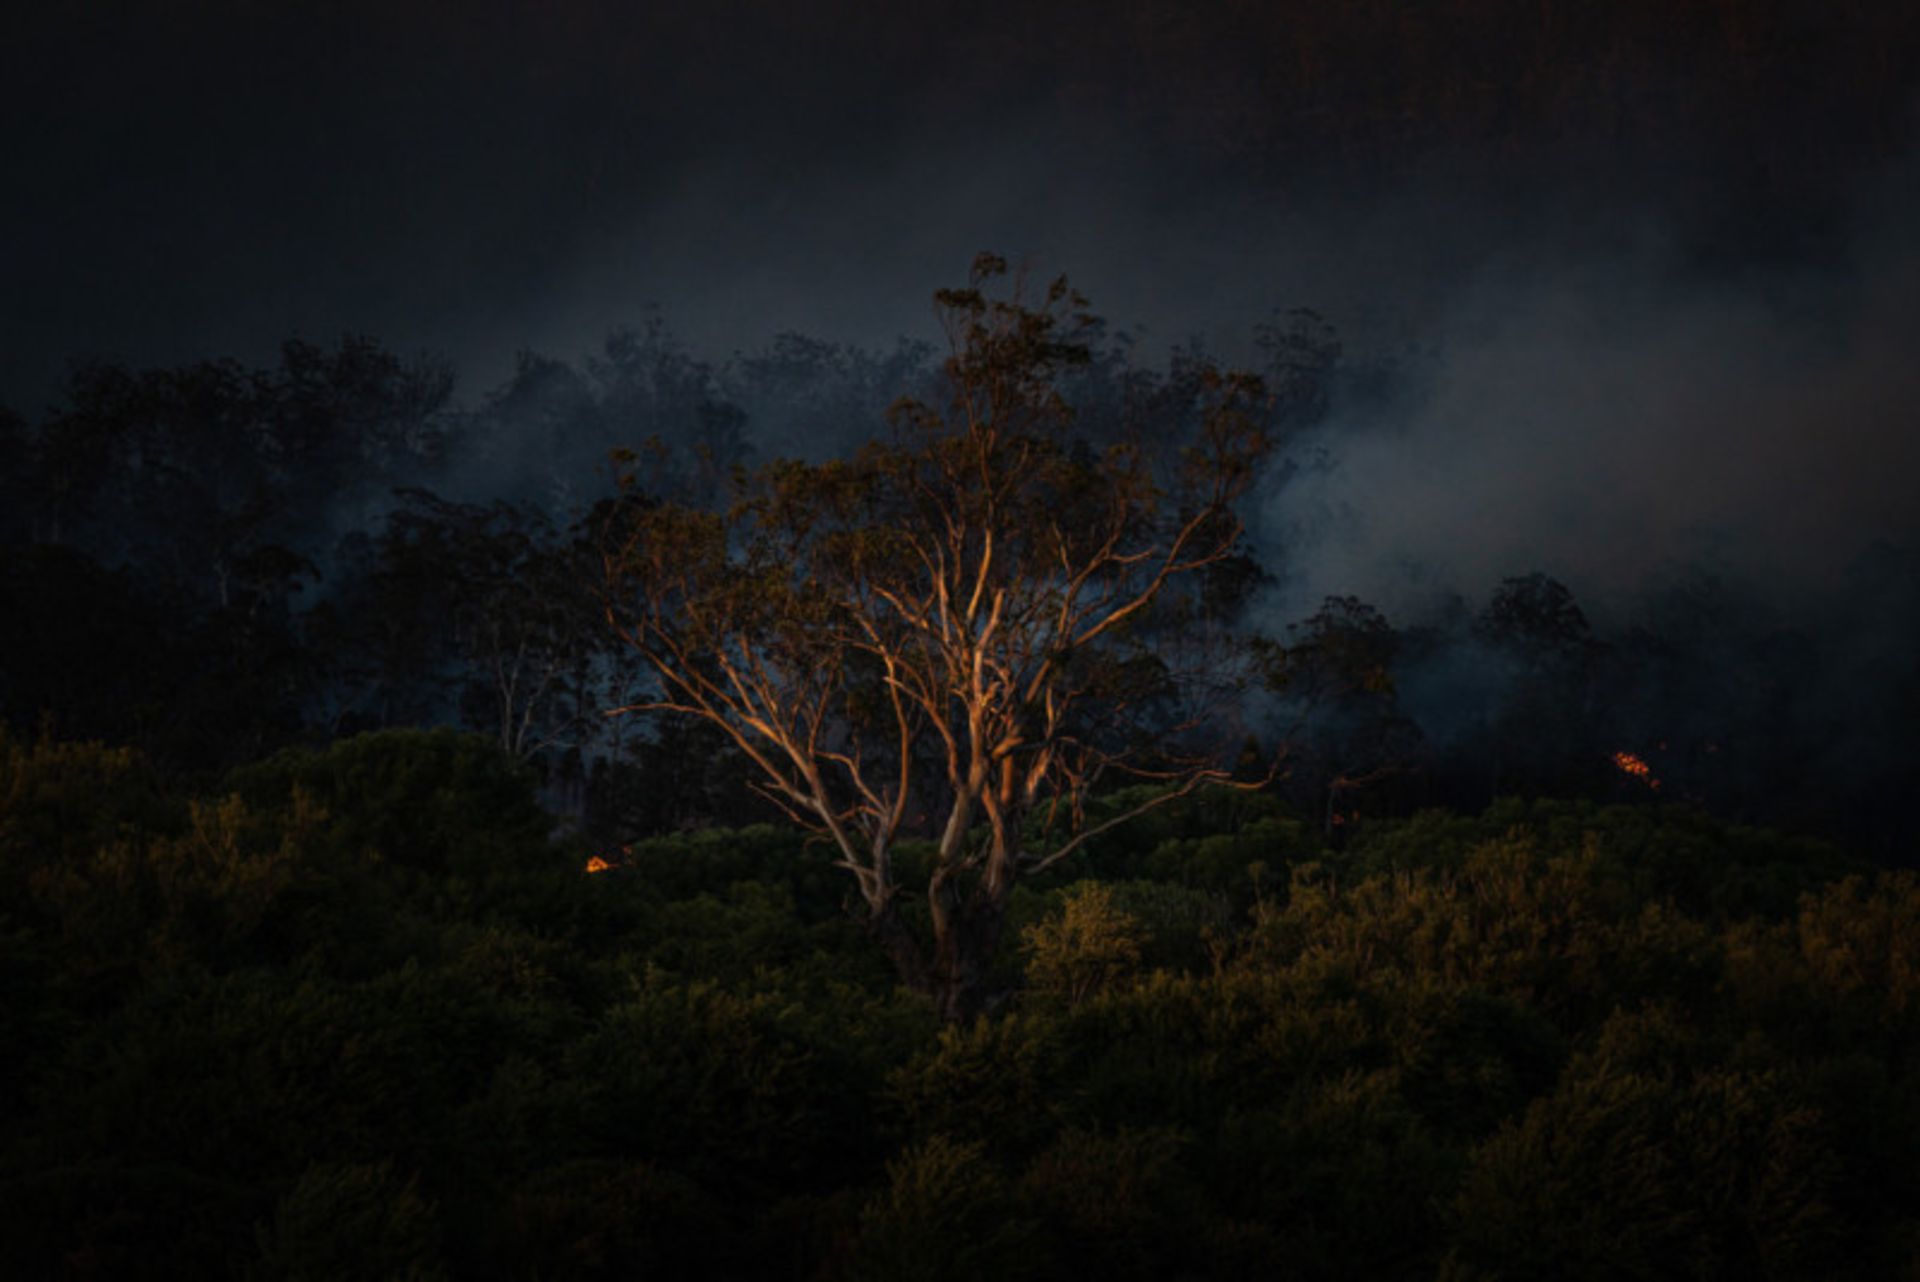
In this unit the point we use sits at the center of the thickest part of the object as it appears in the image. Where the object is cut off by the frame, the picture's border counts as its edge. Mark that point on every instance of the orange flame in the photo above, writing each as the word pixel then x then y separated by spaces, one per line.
pixel 597 864
pixel 1637 767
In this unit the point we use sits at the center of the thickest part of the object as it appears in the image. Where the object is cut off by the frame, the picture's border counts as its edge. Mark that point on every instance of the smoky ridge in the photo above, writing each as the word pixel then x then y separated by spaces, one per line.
pixel 1695 662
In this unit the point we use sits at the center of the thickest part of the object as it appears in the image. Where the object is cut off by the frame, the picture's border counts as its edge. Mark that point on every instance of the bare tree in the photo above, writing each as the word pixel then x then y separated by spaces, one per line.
pixel 958 631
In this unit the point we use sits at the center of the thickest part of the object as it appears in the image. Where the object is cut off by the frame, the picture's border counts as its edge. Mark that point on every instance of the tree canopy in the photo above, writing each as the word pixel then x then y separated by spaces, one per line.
pixel 947 632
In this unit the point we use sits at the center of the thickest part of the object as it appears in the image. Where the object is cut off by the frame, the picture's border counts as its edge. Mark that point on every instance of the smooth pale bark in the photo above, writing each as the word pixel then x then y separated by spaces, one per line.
pixel 939 623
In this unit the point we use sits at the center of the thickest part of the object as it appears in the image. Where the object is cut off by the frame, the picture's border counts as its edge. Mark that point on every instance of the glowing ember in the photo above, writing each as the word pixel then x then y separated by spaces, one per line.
pixel 1637 767
pixel 597 864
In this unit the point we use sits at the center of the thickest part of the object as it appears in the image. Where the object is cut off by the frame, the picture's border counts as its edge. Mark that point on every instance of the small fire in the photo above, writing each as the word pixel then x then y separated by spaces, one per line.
pixel 597 864
pixel 1637 767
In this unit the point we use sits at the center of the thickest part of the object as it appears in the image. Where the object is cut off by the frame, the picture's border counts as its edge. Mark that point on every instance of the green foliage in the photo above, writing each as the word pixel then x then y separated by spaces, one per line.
pixel 1557 932
pixel 354 1014
pixel 60 801
pixel 1468 1058
pixel 754 927
pixel 1207 839
pixel 1582 1189
pixel 992 1079
pixel 1186 929
pixel 1172 1051
pixel 1088 949
pixel 711 860
pixel 601 1218
pixel 1637 1166
pixel 1860 941
pixel 437 801
pixel 262 1070
pixel 1709 869
pixel 124 1218
pixel 1840 975
pixel 1118 1204
pixel 214 883
pixel 353 1220
pixel 946 1213
pixel 726 1085
pixel 1232 863
pixel 31 1023
pixel 1341 1171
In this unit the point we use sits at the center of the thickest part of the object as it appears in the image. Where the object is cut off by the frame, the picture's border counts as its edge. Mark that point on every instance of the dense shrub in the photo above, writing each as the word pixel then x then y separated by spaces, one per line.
pixel 1090 948
pixel 946 1213
pixel 438 801
pixel 354 1220
pixel 357 1012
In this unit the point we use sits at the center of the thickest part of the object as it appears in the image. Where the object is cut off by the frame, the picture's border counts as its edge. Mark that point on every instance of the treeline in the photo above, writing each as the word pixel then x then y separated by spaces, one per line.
pixel 214 561
pixel 351 1012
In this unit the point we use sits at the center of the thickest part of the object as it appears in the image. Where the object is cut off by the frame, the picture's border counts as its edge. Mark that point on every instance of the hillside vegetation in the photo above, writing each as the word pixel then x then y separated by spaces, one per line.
pixel 356 1013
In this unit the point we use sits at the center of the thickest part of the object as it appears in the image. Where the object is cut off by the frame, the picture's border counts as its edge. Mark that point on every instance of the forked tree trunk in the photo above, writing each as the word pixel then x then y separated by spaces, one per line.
pixel 962 954
pixel 953 971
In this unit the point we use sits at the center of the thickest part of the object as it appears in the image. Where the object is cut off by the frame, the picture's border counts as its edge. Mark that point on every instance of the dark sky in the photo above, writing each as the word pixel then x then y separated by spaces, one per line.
pixel 1659 259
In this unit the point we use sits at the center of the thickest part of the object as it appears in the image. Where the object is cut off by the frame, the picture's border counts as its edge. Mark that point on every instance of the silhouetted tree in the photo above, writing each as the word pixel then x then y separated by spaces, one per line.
pixel 1544 654
pixel 1336 679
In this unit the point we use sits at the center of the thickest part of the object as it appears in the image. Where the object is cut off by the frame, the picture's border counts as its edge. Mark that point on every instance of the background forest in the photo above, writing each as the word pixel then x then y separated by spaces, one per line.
pixel 213 561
